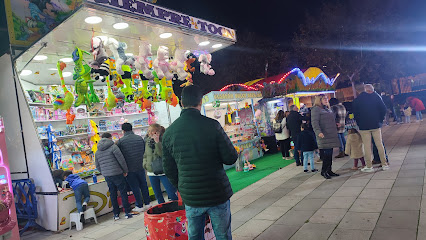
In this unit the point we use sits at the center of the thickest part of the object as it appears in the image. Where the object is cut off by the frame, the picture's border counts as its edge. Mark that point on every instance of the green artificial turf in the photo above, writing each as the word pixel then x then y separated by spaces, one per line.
pixel 264 166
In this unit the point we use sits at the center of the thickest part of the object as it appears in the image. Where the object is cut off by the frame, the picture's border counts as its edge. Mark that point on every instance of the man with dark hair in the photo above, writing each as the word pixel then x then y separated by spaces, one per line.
pixel 195 148
pixel 133 148
pixel 340 115
pixel 110 162
pixel 294 121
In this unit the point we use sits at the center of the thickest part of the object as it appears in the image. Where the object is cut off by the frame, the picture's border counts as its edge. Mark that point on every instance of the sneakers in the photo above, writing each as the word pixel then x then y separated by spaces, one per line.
pixel 84 206
pixel 138 209
pixel 116 217
pixel 306 170
pixel 146 207
pixel 367 169
pixel 385 168
pixel 340 155
pixel 82 217
pixel 314 170
pixel 128 215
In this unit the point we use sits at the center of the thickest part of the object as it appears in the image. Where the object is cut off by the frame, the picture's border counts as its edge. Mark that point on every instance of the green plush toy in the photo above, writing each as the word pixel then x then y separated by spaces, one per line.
pixel 83 80
pixel 66 102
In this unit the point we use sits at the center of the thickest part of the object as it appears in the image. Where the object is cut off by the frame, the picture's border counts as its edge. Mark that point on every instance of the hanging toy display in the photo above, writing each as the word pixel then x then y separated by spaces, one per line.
pixel 127 90
pixel 178 64
pixel 82 79
pixel 67 100
pixel 143 61
pixel 111 100
pixel 94 135
pixel 188 68
pixel 205 67
pixel 161 64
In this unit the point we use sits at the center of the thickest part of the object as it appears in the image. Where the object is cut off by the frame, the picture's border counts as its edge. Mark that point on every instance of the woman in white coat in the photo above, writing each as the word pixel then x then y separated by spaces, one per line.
pixel 282 136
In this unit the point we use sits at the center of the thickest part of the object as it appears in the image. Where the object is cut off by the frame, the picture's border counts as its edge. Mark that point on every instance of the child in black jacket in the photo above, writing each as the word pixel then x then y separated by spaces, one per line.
pixel 307 144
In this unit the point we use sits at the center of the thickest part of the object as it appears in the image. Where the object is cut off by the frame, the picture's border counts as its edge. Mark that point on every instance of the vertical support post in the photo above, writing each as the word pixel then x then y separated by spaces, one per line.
pixel 236 107
pixel 254 117
pixel 168 114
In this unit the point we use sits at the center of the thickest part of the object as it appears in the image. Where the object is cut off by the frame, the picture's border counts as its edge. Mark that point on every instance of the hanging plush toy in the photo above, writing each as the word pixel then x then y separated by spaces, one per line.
pixel 190 59
pixel 65 102
pixel 205 67
pixel 94 135
pixel 127 80
pixel 111 100
pixel 117 48
pixel 83 80
pixel 161 63
pixel 98 51
pixel 178 64
pixel 143 62
pixel 166 91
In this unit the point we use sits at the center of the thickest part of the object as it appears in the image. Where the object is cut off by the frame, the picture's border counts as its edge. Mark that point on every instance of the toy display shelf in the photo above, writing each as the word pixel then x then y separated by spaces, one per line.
pixel 40 104
pixel 248 141
pixel 85 134
pixel 94 117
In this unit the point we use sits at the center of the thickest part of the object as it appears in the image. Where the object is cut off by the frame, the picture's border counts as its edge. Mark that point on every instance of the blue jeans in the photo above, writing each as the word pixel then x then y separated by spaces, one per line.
pixel 170 189
pixel 137 182
pixel 80 192
pixel 407 119
pixel 220 216
pixel 342 141
pixel 419 115
pixel 118 182
pixel 308 156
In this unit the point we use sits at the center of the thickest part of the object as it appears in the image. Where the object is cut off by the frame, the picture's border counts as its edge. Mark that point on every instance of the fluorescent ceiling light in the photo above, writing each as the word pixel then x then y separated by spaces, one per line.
pixel 121 25
pixel 93 20
pixel 26 72
pixel 52 69
pixel 165 35
pixel 205 43
pixel 40 57
pixel 66 60
pixel 66 74
pixel 217 45
pixel 129 54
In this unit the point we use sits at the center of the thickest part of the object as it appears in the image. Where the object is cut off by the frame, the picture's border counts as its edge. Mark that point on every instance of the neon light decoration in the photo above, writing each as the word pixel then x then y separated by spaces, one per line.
pixel 305 80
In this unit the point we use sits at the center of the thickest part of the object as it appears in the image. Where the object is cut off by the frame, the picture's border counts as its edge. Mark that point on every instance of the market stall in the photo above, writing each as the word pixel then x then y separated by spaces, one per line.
pixel 106 64
pixel 235 111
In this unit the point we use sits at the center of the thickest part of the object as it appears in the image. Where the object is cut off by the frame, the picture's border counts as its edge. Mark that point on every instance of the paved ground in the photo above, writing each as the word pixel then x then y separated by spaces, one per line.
pixel 290 204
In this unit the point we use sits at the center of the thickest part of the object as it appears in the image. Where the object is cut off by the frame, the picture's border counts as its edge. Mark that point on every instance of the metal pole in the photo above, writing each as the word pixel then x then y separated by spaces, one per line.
pixel 168 114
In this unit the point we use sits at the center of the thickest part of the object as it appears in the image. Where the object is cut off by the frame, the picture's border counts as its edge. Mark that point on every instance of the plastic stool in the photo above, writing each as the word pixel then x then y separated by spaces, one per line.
pixel 90 213
pixel 75 217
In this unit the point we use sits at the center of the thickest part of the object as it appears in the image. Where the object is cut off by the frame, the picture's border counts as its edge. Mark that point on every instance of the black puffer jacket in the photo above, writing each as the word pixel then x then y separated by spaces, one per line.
pixel 369 111
pixel 133 148
pixel 294 121
pixel 194 151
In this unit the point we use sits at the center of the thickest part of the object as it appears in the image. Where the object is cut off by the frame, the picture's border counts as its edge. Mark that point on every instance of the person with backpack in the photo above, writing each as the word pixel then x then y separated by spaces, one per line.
pixel 282 134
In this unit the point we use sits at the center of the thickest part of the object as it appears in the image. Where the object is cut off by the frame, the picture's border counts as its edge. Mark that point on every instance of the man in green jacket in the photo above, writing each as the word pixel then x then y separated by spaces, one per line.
pixel 195 148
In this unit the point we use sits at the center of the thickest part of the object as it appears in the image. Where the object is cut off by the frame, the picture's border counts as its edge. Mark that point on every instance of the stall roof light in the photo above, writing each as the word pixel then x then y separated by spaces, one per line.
pixel 25 72
pixel 310 93
pixel 52 69
pixel 217 45
pixel 240 85
pixel 66 74
pixel 205 43
pixel 211 104
pixel 121 25
pixel 165 35
pixel 40 57
pixel 129 54
pixel 93 20
pixel 66 60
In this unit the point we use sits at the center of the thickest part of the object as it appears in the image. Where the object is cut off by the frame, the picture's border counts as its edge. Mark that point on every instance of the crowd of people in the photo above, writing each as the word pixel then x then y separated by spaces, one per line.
pixel 324 126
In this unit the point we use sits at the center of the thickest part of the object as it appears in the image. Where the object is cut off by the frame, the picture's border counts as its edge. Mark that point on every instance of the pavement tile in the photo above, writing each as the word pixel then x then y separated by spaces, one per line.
pixel 321 193
pixel 236 208
pixel 272 213
pixel 403 203
pixel 403 182
pixel 356 182
pixel 246 214
pixel 328 216
pixel 236 224
pixel 411 173
pixel 393 234
pixel 412 166
pixel 360 221
pixel 398 219
pixel 368 205
pixel 291 184
pixel 278 232
pixel 246 200
pixel 339 202
pixel 350 234
pixel 105 231
pixel 295 218
pixel 421 234
pixel 413 191
pixel 253 228
pixel 310 204
pixel 314 231
pixel 379 183
pixel 287 201
pixel 348 192
pixel 137 234
pixel 119 234
pixel 374 193
pixel 236 237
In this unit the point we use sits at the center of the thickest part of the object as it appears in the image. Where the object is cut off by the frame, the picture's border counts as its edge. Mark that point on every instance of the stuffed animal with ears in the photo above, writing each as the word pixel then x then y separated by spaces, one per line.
pixel 117 48
pixel 178 64
pixel 98 51
pixel 143 62
pixel 65 102
pixel 205 67
pixel 161 63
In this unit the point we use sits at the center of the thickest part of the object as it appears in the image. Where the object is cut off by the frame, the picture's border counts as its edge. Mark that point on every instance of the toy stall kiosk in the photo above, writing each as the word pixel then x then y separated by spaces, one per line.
pixel 235 111
pixel 108 63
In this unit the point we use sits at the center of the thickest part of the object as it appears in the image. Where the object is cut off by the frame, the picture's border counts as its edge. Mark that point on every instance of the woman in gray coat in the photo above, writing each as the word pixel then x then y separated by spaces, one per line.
pixel 324 125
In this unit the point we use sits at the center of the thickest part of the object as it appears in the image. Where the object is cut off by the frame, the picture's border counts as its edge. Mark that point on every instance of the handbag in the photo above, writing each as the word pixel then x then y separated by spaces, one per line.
pixel 278 128
pixel 157 163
